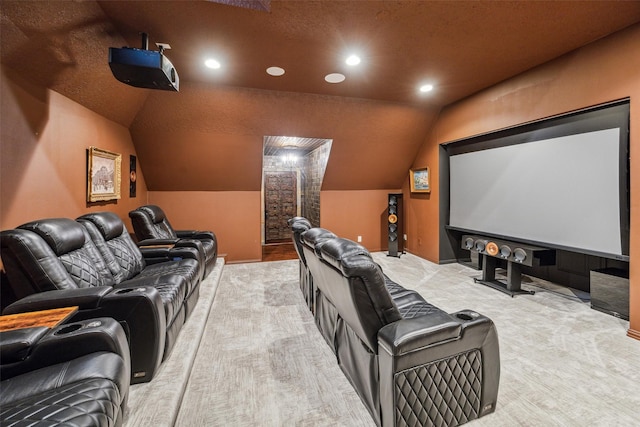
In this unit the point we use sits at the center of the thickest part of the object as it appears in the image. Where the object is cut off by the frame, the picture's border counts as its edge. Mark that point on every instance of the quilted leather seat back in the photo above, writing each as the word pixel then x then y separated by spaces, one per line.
pixel 123 258
pixel 90 390
pixel 31 265
pixel 74 249
pixel 358 289
pixel 150 222
pixel 51 254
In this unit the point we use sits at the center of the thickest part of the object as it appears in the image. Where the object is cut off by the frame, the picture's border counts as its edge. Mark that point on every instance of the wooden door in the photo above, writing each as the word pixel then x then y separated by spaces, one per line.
pixel 280 204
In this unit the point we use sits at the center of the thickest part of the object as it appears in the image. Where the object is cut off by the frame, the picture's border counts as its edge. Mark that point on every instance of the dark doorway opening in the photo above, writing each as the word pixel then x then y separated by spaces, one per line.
pixel 292 173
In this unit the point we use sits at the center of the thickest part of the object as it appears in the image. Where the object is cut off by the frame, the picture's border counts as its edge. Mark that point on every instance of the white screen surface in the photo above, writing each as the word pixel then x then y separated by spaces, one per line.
pixel 561 191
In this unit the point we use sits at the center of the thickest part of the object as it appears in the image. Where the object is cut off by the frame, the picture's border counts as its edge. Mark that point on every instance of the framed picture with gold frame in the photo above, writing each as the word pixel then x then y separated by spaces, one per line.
pixel 419 178
pixel 103 175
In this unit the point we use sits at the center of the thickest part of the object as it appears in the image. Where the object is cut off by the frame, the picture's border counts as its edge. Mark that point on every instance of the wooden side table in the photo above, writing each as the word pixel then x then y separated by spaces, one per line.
pixel 31 319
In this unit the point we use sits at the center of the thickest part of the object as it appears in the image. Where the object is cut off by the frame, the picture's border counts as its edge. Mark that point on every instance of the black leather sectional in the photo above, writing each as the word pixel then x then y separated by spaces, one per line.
pixel 75 374
pixel 411 363
pixel 93 263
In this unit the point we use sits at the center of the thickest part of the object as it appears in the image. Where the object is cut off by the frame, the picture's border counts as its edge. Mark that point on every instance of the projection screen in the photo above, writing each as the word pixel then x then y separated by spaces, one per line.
pixel 560 183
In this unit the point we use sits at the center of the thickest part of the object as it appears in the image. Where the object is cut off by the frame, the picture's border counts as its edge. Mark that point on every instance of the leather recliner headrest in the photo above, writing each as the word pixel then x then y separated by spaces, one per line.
pixel 299 223
pixel 108 223
pixel 300 226
pixel 313 236
pixel 63 235
pixel 334 251
pixel 155 213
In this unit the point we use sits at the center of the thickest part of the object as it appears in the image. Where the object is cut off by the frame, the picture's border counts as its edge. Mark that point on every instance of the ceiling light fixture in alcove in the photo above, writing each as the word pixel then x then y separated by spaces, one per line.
pixel 289 157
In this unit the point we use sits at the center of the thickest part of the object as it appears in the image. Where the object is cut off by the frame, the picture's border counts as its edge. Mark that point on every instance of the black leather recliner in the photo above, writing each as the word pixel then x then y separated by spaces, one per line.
pixel 73 375
pixel 179 271
pixel 151 226
pixel 55 263
pixel 411 363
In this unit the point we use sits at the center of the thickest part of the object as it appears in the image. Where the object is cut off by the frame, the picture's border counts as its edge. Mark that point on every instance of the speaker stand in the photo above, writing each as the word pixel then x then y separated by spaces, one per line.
pixel 398 255
pixel 514 278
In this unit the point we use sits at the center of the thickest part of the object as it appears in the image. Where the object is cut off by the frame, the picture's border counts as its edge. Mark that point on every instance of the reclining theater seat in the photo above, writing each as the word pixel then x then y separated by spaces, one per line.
pixel 177 280
pixel 54 263
pixel 411 363
pixel 74 375
pixel 150 223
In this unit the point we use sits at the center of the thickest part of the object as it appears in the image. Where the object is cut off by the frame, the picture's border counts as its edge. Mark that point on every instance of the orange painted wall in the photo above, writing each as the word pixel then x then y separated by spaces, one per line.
pixel 201 138
pixel 43 142
pixel 603 71
pixel 350 214
pixel 421 209
pixel 234 216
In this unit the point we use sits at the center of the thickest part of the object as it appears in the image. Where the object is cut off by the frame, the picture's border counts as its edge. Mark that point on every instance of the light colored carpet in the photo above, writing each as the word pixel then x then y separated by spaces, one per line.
pixel 262 361
pixel 156 403
pixel 562 363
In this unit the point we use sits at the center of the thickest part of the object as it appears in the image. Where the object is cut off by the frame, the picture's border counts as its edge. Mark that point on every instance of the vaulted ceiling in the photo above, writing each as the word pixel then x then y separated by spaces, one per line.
pixel 201 137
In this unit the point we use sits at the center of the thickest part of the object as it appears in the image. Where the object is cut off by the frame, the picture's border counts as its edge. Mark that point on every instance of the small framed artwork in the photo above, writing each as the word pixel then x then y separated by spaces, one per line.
pixel 420 180
pixel 103 175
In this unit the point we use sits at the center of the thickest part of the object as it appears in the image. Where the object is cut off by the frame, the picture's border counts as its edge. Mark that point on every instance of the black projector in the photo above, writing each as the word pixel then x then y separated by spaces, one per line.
pixel 143 68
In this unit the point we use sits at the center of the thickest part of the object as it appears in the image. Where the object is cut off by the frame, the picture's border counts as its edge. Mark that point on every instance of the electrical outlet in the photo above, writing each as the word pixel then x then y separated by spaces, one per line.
pixel 359 239
pixel 405 237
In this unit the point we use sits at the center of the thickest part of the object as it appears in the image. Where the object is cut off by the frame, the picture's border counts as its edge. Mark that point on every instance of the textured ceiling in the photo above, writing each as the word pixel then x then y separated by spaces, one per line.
pixel 203 136
pixel 63 46
pixel 460 46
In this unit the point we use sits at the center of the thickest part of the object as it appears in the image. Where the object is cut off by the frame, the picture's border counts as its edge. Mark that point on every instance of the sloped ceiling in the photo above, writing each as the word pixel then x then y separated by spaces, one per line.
pixel 209 135
pixel 63 46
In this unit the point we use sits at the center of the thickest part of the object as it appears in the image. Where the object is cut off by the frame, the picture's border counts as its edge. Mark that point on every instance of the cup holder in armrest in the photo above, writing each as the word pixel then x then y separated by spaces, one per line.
pixel 73 327
pixel 68 329
pixel 467 315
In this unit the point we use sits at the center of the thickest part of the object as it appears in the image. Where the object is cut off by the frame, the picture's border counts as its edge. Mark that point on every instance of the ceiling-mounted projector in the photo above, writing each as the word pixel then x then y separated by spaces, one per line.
pixel 144 68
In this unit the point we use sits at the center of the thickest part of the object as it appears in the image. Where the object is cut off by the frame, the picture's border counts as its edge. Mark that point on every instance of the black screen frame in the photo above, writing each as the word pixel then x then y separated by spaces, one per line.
pixel 615 114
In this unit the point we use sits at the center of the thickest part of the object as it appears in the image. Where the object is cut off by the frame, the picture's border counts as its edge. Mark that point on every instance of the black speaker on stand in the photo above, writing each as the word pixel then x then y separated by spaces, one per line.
pixel 395 226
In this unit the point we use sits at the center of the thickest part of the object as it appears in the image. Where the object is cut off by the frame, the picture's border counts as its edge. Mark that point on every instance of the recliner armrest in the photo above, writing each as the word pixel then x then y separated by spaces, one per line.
pixel 16 344
pixel 195 234
pixel 156 255
pixel 429 344
pixel 137 306
pixel 84 298
pixel 62 343
pixel 156 242
pixel 408 335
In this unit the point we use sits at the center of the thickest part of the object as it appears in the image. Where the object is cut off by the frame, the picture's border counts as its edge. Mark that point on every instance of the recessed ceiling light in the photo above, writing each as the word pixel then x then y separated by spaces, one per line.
pixel 353 60
pixel 334 78
pixel 426 88
pixel 212 63
pixel 275 71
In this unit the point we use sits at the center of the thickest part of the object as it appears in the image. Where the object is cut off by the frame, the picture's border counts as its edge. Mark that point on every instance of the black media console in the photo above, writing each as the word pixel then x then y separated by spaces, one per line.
pixel 516 255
